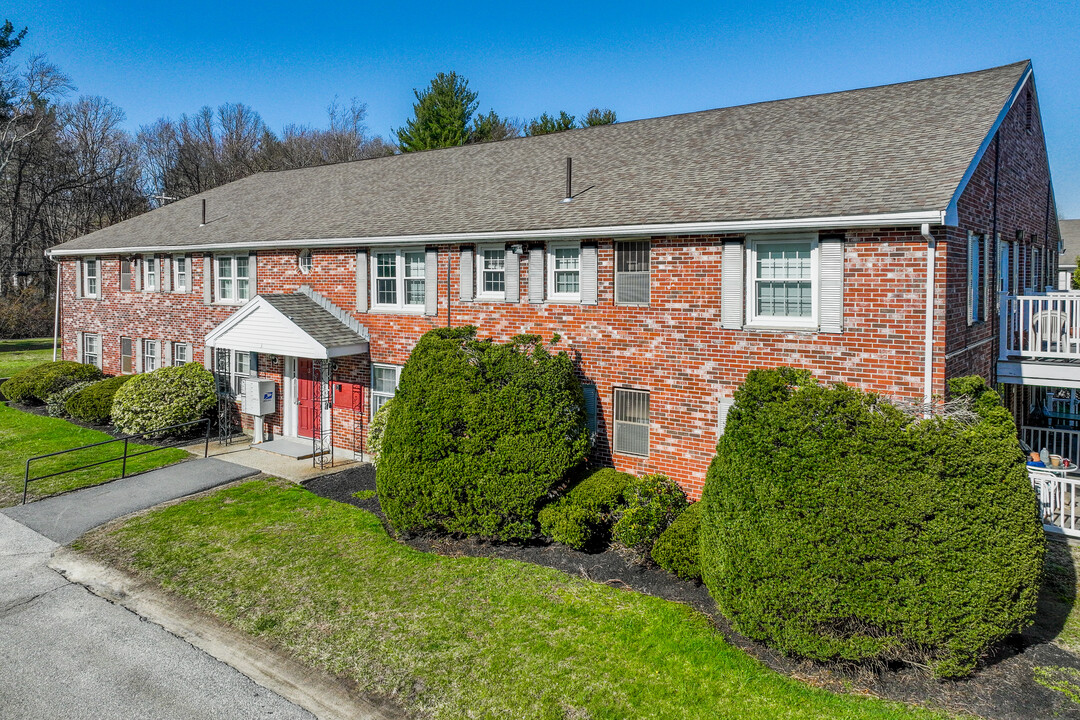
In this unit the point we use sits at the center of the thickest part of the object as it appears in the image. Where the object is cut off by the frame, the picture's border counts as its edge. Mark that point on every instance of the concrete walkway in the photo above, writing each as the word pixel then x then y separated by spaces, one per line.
pixel 65 517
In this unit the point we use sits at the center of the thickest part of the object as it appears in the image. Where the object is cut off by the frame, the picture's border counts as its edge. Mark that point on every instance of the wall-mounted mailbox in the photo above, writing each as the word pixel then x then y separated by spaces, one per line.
pixel 260 396
pixel 347 395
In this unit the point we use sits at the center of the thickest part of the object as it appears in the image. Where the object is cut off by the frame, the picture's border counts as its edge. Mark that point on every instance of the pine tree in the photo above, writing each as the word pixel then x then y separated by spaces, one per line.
pixel 442 114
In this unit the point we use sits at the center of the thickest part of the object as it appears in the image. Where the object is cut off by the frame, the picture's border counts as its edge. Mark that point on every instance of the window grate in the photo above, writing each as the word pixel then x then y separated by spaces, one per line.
pixel 632 422
pixel 632 273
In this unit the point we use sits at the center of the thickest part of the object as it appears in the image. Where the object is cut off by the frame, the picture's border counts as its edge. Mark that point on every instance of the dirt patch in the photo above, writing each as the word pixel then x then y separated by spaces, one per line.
pixel 1003 688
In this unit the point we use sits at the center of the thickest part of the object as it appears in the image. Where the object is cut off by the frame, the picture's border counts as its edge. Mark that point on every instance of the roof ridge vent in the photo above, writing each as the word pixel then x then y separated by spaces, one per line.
pixel 345 318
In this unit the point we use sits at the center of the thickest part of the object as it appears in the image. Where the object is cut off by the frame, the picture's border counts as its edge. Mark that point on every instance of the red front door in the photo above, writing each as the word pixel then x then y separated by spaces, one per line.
pixel 305 394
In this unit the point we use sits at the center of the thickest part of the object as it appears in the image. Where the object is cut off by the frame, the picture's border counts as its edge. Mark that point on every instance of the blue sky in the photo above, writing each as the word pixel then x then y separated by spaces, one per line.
pixel 288 60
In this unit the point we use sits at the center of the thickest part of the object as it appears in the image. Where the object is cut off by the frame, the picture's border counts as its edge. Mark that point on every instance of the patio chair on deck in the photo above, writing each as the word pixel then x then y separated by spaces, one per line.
pixel 1049 331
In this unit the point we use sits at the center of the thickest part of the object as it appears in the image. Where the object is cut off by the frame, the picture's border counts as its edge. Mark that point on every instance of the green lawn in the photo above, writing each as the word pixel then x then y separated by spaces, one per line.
pixel 451 637
pixel 17 355
pixel 24 434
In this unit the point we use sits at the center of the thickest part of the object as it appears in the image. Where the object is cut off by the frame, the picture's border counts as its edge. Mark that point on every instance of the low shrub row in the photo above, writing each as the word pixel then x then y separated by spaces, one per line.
pixel 94 403
pixel 56 404
pixel 36 384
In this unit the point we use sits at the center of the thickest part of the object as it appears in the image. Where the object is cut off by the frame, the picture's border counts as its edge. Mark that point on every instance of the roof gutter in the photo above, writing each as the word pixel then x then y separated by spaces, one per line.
pixel 914 218
pixel 951 213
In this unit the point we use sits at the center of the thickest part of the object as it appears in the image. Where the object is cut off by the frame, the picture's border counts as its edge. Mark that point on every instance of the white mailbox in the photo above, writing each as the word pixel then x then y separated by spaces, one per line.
pixel 260 396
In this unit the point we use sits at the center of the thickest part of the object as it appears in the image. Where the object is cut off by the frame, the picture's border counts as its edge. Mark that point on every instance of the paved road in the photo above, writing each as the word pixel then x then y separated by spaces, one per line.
pixel 67 653
pixel 65 517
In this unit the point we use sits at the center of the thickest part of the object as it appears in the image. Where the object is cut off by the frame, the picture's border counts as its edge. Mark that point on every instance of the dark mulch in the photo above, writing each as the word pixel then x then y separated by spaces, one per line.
pixel 1002 689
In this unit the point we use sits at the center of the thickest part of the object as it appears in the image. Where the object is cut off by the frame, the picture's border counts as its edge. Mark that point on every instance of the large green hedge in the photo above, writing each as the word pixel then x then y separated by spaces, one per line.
pixel 836 527
pixel 167 396
pixel 678 548
pixel 93 404
pixel 478 434
pixel 582 518
pixel 37 383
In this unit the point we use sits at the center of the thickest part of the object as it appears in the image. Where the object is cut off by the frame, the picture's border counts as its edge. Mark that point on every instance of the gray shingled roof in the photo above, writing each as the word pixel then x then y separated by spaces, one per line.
pixel 1070 235
pixel 315 320
pixel 894 148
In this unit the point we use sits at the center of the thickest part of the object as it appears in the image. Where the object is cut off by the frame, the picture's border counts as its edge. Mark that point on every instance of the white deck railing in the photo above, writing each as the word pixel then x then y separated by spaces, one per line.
pixel 1059 503
pixel 1040 326
pixel 1065 443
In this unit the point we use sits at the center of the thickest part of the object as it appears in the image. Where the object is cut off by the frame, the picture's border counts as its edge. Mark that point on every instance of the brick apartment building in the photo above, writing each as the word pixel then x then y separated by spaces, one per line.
pixel 875 237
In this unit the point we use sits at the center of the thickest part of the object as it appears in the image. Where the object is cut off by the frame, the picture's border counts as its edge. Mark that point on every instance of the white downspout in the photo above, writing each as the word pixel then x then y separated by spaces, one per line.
pixel 56 313
pixel 928 350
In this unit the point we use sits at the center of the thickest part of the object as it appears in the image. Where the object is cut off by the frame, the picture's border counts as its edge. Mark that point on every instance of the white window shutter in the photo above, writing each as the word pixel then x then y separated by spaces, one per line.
pixel 972 265
pixel 78 278
pixel 136 275
pixel 208 358
pixel 536 274
pixel 80 348
pixel 723 407
pixel 253 275
pixel 732 290
pixel 207 279
pixel 590 408
pixel 165 274
pixel 513 277
pixel 831 264
pixel 465 274
pixel 588 274
pixel 431 282
pixel 361 281
pixel 136 355
pixel 166 353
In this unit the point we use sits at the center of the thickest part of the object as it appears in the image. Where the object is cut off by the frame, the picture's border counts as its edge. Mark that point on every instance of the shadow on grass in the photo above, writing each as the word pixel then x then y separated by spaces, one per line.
pixel 25 344
pixel 1057 619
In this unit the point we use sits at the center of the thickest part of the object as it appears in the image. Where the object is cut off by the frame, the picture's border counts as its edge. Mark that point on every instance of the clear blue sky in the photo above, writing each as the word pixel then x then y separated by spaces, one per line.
pixel 288 60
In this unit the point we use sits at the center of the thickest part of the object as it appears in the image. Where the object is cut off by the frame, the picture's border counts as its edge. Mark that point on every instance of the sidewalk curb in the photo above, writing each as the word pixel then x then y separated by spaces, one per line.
pixel 324 696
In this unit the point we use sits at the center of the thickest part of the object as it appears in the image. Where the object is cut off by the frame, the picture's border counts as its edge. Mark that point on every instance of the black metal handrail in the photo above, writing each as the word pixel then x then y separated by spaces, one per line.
pixel 119 458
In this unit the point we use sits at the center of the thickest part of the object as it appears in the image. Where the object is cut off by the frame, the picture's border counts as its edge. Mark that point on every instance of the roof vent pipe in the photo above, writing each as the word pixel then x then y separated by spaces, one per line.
pixel 203 212
pixel 569 176
pixel 928 350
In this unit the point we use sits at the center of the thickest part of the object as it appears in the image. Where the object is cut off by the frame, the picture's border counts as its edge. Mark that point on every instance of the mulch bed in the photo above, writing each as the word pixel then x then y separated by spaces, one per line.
pixel 1002 689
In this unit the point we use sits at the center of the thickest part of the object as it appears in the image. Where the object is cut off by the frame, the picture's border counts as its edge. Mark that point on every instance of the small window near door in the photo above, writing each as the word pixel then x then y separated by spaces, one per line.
pixel 127 359
pixel 384 382
pixel 241 370
pixel 181 354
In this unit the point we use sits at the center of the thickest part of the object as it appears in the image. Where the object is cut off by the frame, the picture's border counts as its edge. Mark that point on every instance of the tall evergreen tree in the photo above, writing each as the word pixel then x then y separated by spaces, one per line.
pixel 550 124
pixel 596 116
pixel 492 128
pixel 442 114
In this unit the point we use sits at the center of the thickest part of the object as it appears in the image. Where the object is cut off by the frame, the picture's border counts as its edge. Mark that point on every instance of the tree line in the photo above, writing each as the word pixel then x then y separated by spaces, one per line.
pixel 68 166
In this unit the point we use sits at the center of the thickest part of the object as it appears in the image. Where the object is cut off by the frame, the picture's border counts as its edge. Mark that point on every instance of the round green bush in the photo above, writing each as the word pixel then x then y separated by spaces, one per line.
pixel 582 518
pixel 838 528
pixel 479 434
pixel 56 404
pixel 650 504
pixel 35 384
pixel 93 404
pixel 376 430
pixel 677 550
pixel 167 396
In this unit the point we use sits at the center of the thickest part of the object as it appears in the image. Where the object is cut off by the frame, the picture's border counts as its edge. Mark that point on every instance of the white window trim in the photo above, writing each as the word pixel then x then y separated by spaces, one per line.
pixel 177 286
pixel 616 421
pixel 83 278
pixel 187 352
pixel 479 275
pixel 301 256
pixel 771 322
pixel 552 296
pixel 397 380
pixel 82 350
pixel 146 285
pixel 235 300
pixel 144 355
pixel 648 255
pixel 234 374
pixel 399 278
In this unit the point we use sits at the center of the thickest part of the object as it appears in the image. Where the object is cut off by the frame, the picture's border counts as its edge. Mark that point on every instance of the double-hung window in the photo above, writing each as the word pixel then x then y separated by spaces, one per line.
pixel 399 279
pixel 564 272
pixel 180 273
pixel 491 272
pixel 233 278
pixel 91 350
pixel 150 273
pixel 241 370
pixel 782 285
pixel 384 381
pixel 181 353
pixel 127 356
pixel 976 262
pixel 151 358
pixel 631 422
pixel 125 275
pixel 90 277
pixel 632 273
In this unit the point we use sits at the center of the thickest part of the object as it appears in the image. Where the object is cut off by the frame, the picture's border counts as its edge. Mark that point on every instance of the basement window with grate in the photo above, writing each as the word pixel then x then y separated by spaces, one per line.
pixel 632 422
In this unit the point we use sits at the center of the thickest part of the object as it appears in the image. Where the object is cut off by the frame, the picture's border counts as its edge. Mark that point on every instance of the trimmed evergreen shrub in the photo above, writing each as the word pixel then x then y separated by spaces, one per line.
pixel 167 396
pixel 479 434
pixel 582 518
pixel 836 527
pixel 93 404
pixel 650 504
pixel 677 550
pixel 34 385
pixel 376 430
pixel 56 405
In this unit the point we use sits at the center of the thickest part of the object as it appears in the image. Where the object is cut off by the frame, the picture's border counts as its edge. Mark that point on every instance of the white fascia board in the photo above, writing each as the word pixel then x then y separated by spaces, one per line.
pixel 836 222
pixel 228 323
pixel 215 338
pixel 951 214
